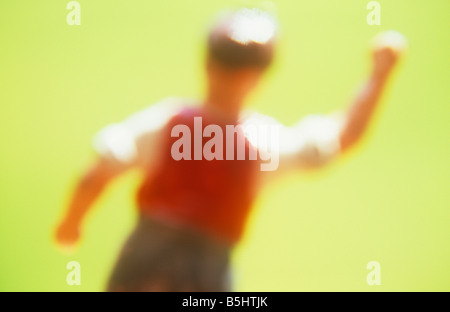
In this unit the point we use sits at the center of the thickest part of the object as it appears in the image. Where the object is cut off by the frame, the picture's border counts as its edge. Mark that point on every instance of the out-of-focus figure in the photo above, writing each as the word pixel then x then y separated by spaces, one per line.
pixel 193 209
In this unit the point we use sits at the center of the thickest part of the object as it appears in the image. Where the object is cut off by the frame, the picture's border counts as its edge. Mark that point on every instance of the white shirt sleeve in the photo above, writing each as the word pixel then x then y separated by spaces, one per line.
pixel 134 141
pixel 116 142
pixel 314 141
pixel 311 142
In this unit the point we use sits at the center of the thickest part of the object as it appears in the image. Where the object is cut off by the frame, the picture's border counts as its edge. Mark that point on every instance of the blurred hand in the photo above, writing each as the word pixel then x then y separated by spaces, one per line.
pixel 67 234
pixel 387 49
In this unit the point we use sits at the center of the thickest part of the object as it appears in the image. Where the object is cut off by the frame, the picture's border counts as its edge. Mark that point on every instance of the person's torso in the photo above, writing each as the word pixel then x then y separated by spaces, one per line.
pixel 213 196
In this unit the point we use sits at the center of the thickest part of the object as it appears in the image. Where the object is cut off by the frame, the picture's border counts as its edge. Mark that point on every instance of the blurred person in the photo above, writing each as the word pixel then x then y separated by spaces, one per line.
pixel 192 211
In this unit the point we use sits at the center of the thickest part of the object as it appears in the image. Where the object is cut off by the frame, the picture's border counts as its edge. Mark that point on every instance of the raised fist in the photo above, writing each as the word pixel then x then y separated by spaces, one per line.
pixel 387 48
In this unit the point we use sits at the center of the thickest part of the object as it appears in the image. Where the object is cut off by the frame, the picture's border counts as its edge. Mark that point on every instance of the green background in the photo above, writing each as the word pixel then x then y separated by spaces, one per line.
pixel 387 200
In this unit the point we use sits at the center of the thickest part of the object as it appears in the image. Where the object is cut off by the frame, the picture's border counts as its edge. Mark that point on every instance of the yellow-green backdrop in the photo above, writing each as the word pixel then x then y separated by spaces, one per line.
pixel 387 201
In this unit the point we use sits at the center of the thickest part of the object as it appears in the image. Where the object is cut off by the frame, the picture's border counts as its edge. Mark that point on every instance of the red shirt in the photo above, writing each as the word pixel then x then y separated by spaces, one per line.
pixel 213 196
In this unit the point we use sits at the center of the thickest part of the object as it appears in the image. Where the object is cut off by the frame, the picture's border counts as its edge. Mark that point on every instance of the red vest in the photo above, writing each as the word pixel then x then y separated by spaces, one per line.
pixel 213 196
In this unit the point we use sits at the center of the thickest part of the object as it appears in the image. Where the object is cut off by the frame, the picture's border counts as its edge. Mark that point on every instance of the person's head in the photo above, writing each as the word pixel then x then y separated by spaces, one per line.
pixel 240 48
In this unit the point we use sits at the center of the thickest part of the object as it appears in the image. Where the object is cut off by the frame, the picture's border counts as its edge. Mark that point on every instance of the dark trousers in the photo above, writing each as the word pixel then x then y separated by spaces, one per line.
pixel 162 257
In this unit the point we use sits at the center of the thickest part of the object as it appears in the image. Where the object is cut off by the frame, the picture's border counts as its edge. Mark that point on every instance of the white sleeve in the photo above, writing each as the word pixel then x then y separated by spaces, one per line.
pixel 116 142
pixel 134 140
pixel 314 140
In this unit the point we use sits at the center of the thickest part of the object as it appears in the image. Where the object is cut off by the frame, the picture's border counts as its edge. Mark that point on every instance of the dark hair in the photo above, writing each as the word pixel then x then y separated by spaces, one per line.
pixel 244 38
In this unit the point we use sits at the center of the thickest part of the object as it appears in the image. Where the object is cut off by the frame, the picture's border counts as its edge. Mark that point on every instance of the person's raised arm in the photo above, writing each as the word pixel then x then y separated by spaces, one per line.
pixel 387 49
pixel 317 139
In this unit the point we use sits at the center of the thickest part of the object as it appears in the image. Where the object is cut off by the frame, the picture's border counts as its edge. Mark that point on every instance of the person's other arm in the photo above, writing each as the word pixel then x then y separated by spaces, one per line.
pixel 88 189
pixel 132 143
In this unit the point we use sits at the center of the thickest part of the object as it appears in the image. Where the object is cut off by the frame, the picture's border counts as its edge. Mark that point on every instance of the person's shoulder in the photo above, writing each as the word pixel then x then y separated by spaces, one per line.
pixel 251 117
pixel 177 101
pixel 169 104
pixel 158 114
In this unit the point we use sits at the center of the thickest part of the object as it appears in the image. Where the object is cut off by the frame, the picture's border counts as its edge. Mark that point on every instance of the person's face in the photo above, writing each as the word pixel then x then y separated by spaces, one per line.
pixel 232 84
